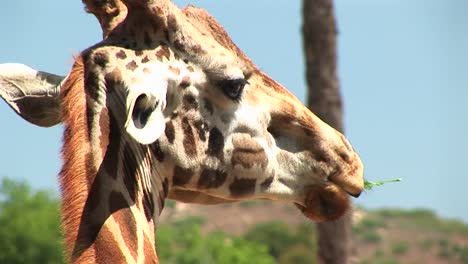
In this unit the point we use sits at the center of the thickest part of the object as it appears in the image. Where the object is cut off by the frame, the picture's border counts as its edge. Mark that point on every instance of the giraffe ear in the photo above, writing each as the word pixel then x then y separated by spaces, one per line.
pixel 34 95
pixel 145 119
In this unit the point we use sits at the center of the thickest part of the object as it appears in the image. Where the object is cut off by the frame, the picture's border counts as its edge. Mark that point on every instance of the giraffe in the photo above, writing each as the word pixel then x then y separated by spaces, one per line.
pixel 166 106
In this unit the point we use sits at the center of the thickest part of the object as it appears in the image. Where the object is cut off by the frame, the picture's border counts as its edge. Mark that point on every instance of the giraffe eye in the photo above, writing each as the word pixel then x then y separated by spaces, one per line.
pixel 233 88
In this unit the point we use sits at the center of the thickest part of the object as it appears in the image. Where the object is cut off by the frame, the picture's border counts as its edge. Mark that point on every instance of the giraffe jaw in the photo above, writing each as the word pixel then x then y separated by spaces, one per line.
pixel 324 203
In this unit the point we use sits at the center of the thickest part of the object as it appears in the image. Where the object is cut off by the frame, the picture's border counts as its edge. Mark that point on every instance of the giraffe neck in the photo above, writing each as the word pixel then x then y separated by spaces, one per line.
pixel 110 200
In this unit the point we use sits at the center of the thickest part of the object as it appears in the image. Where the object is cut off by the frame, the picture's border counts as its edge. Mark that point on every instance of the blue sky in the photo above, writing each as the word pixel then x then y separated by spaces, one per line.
pixel 403 68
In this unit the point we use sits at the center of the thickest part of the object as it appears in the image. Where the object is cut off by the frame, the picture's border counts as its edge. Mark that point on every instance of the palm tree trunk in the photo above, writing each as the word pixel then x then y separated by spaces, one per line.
pixel 324 99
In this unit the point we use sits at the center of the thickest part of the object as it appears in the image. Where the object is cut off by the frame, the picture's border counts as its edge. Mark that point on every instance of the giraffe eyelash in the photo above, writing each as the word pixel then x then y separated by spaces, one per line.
pixel 233 88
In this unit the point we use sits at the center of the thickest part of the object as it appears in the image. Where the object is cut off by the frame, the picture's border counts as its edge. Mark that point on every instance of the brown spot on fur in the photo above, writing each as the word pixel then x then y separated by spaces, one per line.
pixel 131 33
pixel 170 132
pixel 148 205
pixel 92 85
pixel 208 106
pixel 128 229
pixel 190 69
pixel 155 24
pixel 163 52
pixel 117 201
pixel 101 58
pixel 242 187
pixel 138 53
pixel 157 152
pixel 248 158
pixel 181 176
pixel 130 168
pixel 189 102
pixel 197 49
pixel 248 152
pixel 165 185
pixel 149 252
pixel 147 70
pixel 105 254
pixel 202 128
pixel 174 70
pixel 211 179
pixel 189 139
pixel 185 82
pixel 172 22
pixel 216 144
pixel 318 154
pixel 112 79
pixel 179 45
pixel 132 65
pixel 111 157
pixel 121 55
pixel 145 59
pixel 147 39
pixel 94 200
pixel 265 184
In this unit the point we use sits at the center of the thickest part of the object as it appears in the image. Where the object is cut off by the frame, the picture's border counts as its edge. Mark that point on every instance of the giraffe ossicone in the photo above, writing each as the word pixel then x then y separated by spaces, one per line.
pixel 167 106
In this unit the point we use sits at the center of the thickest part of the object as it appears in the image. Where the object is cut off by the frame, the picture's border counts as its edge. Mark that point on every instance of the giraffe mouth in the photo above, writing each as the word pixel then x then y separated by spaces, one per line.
pixel 324 203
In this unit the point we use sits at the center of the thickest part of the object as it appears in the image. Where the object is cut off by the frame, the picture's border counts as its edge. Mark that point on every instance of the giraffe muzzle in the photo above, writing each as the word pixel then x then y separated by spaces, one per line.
pixel 329 200
pixel 349 175
pixel 324 203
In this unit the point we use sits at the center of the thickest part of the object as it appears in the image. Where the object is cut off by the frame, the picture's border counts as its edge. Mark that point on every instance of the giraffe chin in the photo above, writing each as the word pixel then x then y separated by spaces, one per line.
pixel 324 203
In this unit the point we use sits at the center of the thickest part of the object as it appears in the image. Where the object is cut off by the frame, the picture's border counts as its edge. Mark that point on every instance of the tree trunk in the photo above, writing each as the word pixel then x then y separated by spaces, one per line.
pixel 324 99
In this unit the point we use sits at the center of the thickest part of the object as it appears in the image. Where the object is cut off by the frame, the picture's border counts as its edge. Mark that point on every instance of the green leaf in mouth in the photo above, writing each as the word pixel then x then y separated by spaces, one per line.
pixel 368 185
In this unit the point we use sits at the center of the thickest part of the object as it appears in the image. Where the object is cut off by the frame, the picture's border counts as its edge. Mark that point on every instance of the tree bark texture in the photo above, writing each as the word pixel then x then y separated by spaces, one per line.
pixel 324 99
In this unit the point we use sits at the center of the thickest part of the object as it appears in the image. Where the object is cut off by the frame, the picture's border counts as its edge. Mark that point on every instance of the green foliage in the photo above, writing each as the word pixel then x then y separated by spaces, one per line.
pixel 464 254
pixel 367 228
pixel 426 244
pixel 286 245
pixel 379 261
pixel 400 248
pixel 371 237
pixel 274 234
pixel 379 253
pixel 298 253
pixel 29 225
pixel 183 243
pixel 444 248
pixel 29 232
pixel 369 185
pixel 423 219
pixel 369 223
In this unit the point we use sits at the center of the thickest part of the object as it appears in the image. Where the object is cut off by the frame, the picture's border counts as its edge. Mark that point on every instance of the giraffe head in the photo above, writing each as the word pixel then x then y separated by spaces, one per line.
pixel 167 100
